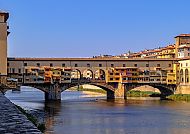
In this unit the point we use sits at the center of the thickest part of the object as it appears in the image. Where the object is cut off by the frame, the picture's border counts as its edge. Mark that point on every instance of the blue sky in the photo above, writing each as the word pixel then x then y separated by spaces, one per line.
pixel 83 28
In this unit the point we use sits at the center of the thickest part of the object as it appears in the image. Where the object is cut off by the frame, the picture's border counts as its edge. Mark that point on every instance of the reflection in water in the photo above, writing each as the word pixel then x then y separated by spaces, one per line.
pixel 76 114
pixel 53 109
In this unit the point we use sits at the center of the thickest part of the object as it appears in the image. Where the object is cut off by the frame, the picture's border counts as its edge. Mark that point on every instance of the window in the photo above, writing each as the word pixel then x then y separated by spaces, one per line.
pixel 111 73
pixel 76 65
pixel 100 65
pixel 111 78
pixel 63 65
pixel 19 70
pixel 147 65
pixel 8 64
pixel 186 64
pixel 117 79
pixel 88 65
pixel 38 64
pixel 135 65
pixel 158 65
pixel 116 73
pixel 170 65
pixel 51 64
pixel 112 65
pixel 13 70
pixel 124 65
pixel 26 71
pixel 25 64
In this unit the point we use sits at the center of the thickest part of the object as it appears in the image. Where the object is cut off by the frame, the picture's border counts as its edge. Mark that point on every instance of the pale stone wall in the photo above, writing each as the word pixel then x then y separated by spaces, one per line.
pixel 183 89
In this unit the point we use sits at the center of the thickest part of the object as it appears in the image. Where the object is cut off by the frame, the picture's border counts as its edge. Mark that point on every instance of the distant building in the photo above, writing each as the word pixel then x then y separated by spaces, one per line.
pixel 182 45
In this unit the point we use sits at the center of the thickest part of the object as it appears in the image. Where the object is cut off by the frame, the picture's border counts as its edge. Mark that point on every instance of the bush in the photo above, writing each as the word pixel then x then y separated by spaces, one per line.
pixel 135 93
pixel 179 97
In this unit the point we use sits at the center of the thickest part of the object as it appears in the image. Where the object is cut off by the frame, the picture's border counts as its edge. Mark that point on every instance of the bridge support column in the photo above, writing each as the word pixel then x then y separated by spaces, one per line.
pixel 120 92
pixel 53 94
pixel 110 95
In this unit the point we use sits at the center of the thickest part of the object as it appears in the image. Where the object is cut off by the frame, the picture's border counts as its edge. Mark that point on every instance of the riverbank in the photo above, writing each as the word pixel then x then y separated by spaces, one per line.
pixel 135 93
pixel 179 97
pixel 40 125
pixel 132 95
pixel 93 94
pixel 13 120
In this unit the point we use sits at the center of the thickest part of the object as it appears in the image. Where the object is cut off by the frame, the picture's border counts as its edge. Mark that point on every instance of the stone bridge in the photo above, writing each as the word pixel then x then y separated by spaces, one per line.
pixel 53 91
pixel 114 90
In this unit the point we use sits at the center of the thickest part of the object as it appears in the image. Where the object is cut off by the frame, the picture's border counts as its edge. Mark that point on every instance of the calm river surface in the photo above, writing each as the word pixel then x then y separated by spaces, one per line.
pixel 77 114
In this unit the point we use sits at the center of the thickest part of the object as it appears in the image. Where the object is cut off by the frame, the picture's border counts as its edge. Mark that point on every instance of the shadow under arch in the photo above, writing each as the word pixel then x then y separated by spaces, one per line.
pixel 40 88
pixel 109 89
pixel 165 90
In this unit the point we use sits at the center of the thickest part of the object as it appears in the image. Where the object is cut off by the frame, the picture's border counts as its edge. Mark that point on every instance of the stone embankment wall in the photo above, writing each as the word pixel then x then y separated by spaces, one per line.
pixel 12 120
pixel 183 89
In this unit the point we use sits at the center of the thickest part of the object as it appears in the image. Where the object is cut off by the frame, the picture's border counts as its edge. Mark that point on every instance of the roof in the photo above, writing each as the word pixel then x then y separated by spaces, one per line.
pixel 183 35
pixel 91 59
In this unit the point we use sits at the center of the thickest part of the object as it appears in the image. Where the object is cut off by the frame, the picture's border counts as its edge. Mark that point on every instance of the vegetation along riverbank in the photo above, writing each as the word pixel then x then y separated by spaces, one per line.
pixel 179 97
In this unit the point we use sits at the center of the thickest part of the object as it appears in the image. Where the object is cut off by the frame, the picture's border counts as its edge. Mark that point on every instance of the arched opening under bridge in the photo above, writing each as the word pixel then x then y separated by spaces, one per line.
pixel 164 90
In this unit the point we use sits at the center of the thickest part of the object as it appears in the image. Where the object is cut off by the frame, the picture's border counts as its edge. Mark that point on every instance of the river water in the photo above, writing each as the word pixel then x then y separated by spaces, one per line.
pixel 77 114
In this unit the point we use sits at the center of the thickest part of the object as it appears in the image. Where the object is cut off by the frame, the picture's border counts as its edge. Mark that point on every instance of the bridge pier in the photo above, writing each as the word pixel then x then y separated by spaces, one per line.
pixel 119 92
pixel 53 94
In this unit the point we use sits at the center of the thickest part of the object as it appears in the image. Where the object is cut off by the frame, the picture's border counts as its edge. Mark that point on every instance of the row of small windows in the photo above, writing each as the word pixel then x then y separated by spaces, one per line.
pixel 88 65
pixel 12 70
pixel 186 64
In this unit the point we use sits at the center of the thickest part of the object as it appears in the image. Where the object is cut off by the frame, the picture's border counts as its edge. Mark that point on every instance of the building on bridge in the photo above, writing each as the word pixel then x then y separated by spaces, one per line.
pixel 89 68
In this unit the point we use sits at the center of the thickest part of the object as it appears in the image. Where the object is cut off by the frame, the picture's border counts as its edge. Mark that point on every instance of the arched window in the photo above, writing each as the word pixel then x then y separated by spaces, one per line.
pixel 88 74
pixel 181 75
pixel 186 76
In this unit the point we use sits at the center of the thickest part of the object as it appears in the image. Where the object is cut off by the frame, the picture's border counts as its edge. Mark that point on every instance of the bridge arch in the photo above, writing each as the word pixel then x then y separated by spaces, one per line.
pixel 100 74
pixel 76 74
pixel 38 87
pixel 165 90
pixel 109 89
pixel 88 74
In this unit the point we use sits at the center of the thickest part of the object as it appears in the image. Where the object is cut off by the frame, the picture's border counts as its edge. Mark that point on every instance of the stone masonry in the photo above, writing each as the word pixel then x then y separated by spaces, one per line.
pixel 12 121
